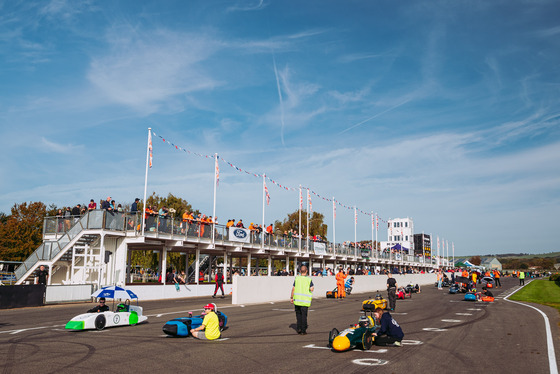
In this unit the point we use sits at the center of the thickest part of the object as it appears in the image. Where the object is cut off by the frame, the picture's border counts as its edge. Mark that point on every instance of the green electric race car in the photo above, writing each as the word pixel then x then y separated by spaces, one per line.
pixel 358 335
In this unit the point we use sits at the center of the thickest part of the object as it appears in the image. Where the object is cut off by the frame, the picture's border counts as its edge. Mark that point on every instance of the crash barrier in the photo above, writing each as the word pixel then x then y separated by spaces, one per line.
pixel 66 293
pixel 22 296
pixel 169 291
pixel 248 290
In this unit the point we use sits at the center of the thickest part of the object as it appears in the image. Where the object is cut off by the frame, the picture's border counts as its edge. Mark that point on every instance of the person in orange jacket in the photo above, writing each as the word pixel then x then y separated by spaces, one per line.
pixel 340 278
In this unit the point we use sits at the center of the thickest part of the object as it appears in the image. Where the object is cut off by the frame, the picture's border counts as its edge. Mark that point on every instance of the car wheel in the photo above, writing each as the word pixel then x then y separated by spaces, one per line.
pixel 222 322
pixel 367 340
pixel 333 334
pixel 100 322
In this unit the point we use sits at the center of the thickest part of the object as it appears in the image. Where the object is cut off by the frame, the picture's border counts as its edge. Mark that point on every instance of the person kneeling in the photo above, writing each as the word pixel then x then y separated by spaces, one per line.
pixel 389 333
pixel 210 328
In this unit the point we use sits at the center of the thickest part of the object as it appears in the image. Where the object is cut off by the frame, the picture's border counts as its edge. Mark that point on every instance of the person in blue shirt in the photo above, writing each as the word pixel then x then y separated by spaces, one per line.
pixel 389 333
pixel 348 284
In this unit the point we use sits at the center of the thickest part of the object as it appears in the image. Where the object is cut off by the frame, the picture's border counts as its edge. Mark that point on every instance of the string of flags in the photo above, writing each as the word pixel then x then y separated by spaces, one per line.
pixel 216 157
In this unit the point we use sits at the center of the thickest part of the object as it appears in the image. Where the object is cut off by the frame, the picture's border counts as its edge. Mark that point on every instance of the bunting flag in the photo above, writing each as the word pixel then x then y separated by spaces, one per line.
pixel 300 199
pixel 217 167
pixel 355 216
pixel 334 208
pixel 253 174
pixel 310 205
pixel 438 243
pixel 150 147
pixel 267 194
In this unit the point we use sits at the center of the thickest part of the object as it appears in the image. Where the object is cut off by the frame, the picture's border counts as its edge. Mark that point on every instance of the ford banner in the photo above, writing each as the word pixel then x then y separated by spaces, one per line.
pixel 237 234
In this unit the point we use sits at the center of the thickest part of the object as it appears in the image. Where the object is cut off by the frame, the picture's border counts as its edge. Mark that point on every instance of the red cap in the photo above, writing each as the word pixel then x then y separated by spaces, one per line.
pixel 209 306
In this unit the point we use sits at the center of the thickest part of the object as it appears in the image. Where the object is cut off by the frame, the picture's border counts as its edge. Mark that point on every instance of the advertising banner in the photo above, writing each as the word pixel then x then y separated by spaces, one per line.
pixel 237 234
pixel 319 248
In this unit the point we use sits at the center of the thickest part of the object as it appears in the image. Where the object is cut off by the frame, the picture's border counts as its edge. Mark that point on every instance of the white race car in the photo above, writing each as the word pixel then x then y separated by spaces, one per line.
pixel 124 315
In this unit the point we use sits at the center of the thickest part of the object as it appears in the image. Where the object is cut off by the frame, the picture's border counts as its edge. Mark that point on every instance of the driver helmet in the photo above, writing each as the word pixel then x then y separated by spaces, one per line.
pixel 378 297
pixel 363 321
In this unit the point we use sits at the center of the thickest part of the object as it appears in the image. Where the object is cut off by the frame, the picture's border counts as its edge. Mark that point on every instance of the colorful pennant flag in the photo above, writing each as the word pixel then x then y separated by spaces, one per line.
pixel 150 147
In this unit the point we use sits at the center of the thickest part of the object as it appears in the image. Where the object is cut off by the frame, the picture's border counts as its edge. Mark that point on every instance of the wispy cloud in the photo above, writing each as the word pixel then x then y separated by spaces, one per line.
pixel 143 70
pixel 247 6
pixel 51 146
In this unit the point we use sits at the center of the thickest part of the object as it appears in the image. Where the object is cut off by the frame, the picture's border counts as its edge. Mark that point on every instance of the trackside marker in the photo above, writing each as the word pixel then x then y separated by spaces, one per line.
pixel 411 342
pixel 370 362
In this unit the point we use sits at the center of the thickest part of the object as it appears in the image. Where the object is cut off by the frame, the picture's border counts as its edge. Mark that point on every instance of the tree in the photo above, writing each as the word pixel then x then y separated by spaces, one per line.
pixel 180 205
pixel 316 225
pixel 22 231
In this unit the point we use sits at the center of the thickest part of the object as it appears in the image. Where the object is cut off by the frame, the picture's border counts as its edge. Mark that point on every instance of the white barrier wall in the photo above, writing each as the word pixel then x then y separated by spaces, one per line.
pixel 75 292
pixel 168 291
pixel 249 290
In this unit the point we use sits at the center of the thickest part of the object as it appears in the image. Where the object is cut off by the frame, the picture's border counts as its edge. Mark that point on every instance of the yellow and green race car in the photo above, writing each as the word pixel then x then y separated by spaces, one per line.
pixel 358 335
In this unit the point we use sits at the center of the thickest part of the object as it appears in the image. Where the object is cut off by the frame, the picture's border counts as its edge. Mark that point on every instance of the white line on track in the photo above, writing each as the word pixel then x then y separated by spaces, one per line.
pixel 550 343
pixel 464 314
pixel 411 342
pixel 184 311
pixel 451 320
pixel 17 331
pixel 436 329
pixel 474 309
pixel 369 351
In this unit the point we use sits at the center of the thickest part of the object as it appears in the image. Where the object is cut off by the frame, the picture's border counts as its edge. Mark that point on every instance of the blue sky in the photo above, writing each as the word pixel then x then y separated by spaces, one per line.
pixel 443 111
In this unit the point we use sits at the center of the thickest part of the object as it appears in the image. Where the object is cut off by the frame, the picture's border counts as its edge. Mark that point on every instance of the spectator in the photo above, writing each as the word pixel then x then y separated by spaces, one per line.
pixel 106 204
pixel 42 275
pixel 134 206
pixel 92 205
pixel 76 210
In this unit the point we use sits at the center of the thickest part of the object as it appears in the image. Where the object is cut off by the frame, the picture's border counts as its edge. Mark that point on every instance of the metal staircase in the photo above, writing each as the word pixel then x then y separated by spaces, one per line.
pixel 51 251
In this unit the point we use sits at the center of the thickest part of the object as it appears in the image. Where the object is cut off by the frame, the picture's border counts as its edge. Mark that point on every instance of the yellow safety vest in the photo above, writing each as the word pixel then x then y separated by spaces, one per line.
pixel 302 295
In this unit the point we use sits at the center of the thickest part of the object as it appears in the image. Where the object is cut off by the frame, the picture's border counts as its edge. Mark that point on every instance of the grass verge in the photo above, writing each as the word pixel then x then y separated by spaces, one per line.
pixel 539 291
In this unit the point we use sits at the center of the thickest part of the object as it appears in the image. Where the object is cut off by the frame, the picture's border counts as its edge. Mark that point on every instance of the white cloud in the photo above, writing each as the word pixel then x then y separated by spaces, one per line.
pixel 59 148
pixel 144 70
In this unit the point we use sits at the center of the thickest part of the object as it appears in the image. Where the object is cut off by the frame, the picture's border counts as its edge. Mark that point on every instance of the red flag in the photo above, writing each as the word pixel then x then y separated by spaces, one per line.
pixel 217 172
pixel 300 199
pixel 334 208
pixel 310 205
pixel 266 193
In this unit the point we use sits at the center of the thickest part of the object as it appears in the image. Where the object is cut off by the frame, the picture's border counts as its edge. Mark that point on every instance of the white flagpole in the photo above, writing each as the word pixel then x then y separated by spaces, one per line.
pixel 264 202
pixel 447 257
pixel 372 229
pixel 453 247
pixel 300 203
pixel 334 223
pixel 437 258
pixel 431 248
pixel 355 231
pixel 214 207
pixel 376 228
pixel 146 179
pixel 307 234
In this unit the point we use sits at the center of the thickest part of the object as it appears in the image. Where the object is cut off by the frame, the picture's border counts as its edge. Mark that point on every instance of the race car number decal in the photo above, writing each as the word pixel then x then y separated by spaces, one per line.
pixel 116 319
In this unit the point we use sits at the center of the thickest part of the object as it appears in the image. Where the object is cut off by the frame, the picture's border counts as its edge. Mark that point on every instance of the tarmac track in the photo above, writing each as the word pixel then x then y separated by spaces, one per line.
pixel 442 333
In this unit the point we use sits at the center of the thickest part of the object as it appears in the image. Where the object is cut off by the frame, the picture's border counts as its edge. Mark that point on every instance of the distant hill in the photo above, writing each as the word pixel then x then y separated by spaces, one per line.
pixel 527 255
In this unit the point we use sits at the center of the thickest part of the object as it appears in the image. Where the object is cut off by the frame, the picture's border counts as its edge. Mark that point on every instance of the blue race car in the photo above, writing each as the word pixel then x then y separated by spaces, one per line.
pixel 182 326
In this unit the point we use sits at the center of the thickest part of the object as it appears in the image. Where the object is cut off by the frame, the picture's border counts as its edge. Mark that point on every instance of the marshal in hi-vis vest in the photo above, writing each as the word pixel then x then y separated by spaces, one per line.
pixel 302 295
